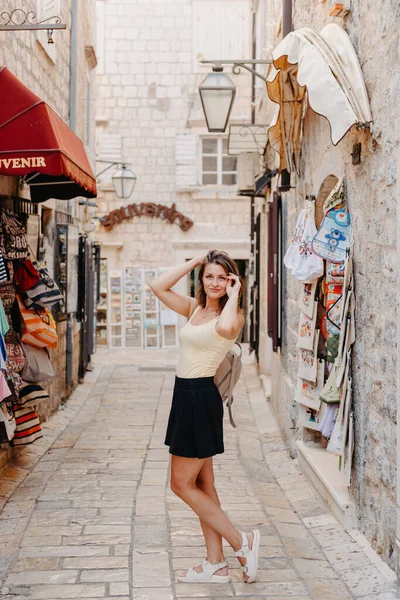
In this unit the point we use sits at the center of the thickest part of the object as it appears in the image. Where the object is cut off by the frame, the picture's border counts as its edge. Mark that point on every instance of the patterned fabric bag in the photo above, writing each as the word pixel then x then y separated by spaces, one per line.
pixel 7 423
pixel 14 241
pixel 45 293
pixel 7 295
pixel 15 353
pixel 4 271
pixel 38 327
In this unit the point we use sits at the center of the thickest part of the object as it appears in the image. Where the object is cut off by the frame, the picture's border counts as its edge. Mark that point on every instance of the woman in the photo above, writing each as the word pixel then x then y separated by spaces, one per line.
pixel 195 426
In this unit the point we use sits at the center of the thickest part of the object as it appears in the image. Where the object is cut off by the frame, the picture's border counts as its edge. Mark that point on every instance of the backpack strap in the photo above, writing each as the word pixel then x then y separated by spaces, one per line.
pixel 235 361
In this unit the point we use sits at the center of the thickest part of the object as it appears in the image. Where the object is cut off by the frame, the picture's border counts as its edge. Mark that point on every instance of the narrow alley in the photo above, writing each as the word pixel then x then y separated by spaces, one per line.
pixel 88 512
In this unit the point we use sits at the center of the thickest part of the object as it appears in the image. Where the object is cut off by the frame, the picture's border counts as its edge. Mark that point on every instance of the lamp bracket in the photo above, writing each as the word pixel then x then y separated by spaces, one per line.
pixel 19 20
pixel 111 163
pixel 237 65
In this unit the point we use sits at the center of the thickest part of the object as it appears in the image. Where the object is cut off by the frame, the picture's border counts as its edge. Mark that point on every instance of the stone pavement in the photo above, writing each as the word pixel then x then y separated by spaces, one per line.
pixel 87 512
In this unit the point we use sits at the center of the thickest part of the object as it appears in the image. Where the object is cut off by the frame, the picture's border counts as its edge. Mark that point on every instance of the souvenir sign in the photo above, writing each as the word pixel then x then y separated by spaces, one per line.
pixel 333 238
pixel 307 392
pixel 306 301
pixel 305 338
pixel 309 361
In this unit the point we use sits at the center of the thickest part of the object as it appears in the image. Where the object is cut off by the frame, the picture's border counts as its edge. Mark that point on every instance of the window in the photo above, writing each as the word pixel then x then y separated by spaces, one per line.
pixel 217 167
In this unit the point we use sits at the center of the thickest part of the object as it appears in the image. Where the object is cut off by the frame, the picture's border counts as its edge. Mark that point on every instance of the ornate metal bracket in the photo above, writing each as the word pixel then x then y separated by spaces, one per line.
pixel 19 20
pixel 237 65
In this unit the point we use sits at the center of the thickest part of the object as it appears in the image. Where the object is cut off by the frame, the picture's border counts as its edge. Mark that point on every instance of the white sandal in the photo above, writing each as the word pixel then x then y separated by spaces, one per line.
pixel 251 556
pixel 207 575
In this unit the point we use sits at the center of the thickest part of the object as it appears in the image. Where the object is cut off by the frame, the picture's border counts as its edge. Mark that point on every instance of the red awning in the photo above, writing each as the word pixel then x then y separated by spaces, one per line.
pixel 36 143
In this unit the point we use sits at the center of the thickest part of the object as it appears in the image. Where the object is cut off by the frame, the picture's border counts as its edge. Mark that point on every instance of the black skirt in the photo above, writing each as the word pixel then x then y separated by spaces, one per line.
pixel 195 425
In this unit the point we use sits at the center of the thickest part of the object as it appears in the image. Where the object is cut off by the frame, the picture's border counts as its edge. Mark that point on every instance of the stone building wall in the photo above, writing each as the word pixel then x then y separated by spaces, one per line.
pixel 147 97
pixel 372 200
pixel 45 69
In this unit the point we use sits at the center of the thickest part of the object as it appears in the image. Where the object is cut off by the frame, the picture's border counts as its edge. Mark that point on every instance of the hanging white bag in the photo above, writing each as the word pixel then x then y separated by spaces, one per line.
pixel 306 265
pixel 293 249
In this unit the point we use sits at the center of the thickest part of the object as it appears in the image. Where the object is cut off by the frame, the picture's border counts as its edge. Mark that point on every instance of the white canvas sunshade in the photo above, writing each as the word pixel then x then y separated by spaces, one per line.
pixel 323 71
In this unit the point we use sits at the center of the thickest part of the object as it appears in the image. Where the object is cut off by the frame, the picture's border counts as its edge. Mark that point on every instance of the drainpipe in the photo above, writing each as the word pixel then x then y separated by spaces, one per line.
pixel 287 24
pixel 72 124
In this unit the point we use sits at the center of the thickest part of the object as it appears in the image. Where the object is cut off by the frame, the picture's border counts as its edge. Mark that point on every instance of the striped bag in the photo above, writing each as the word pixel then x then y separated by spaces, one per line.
pixel 27 426
pixel 32 394
pixel 45 292
pixel 38 327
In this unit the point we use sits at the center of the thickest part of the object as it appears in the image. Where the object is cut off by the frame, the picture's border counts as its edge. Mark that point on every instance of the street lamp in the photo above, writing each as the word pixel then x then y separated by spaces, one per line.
pixel 124 179
pixel 217 90
pixel 217 93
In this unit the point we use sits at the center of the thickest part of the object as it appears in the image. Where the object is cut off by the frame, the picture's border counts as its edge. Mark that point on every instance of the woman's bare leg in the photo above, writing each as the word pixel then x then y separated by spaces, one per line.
pixel 184 475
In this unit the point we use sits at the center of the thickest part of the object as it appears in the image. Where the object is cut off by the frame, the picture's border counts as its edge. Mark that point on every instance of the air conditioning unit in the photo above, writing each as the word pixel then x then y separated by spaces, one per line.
pixel 248 167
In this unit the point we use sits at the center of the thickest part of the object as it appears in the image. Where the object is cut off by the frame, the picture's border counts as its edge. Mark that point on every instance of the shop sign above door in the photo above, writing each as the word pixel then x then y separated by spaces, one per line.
pixel 146 209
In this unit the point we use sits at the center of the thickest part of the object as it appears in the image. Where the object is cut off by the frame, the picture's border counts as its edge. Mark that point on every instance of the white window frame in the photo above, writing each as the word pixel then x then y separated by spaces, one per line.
pixel 219 172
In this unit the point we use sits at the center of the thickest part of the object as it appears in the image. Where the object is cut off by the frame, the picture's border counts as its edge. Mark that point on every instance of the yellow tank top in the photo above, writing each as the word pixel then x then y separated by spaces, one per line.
pixel 202 349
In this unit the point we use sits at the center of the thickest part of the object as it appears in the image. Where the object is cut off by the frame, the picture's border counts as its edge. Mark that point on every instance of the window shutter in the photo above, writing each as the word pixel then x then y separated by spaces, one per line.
pixel 186 160
pixel 109 148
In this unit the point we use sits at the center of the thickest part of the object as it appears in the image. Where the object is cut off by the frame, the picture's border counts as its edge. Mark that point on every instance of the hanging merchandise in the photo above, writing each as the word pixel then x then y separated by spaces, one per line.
pixel 45 293
pixel 4 325
pixel 307 392
pixel 338 437
pixel 337 197
pixel 307 266
pixel 331 394
pixel 306 300
pixel 7 422
pixel 335 272
pixel 305 338
pixel 25 275
pixel 28 427
pixel 5 391
pixel 37 364
pixel 332 348
pixel 309 362
pixel 38 327
pixel 334 296
pixel 14 241
pixel 333 238
pixel 293 249
pixel 7 295
pixel 31 394
pixel 328 421
pixel 15 354
pixel 4 272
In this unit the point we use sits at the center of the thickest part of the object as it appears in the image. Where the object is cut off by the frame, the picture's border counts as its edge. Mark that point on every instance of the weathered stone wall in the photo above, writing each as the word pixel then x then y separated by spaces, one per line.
pixel 372 200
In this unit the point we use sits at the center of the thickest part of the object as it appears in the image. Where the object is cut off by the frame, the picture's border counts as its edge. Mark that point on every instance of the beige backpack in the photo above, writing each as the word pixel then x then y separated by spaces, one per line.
pixel 227 376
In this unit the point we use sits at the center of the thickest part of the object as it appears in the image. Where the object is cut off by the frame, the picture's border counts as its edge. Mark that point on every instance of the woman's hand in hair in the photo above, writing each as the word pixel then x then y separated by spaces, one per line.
pixel 234 285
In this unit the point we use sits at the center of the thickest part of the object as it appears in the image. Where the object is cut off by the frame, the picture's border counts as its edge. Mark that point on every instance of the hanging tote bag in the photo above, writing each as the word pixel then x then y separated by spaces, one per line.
pixel 15 354
pixel 37 365
pixel 307 266
pixel 25 275
pixel 333 238
pixel 45 293
pixel 293 249
pixel 31 394
pixel 14 240
pixel 38 327
pixel 27 426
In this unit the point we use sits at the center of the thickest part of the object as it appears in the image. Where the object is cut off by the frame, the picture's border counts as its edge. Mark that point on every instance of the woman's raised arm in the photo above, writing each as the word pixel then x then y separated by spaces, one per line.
pixel 161 287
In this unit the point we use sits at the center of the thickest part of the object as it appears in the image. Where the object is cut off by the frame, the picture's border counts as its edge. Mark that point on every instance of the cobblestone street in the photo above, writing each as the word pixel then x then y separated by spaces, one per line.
pixel 87 511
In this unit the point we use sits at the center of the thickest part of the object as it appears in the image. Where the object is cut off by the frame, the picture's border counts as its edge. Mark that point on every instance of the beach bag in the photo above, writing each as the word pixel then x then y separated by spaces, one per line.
pixel 27 426
pixel 227 376
pixel 25 275
pixel 32 394
pixel 307 266
pixel 45 293
pixel 38 327
pixel 37 365
pixel 7 423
